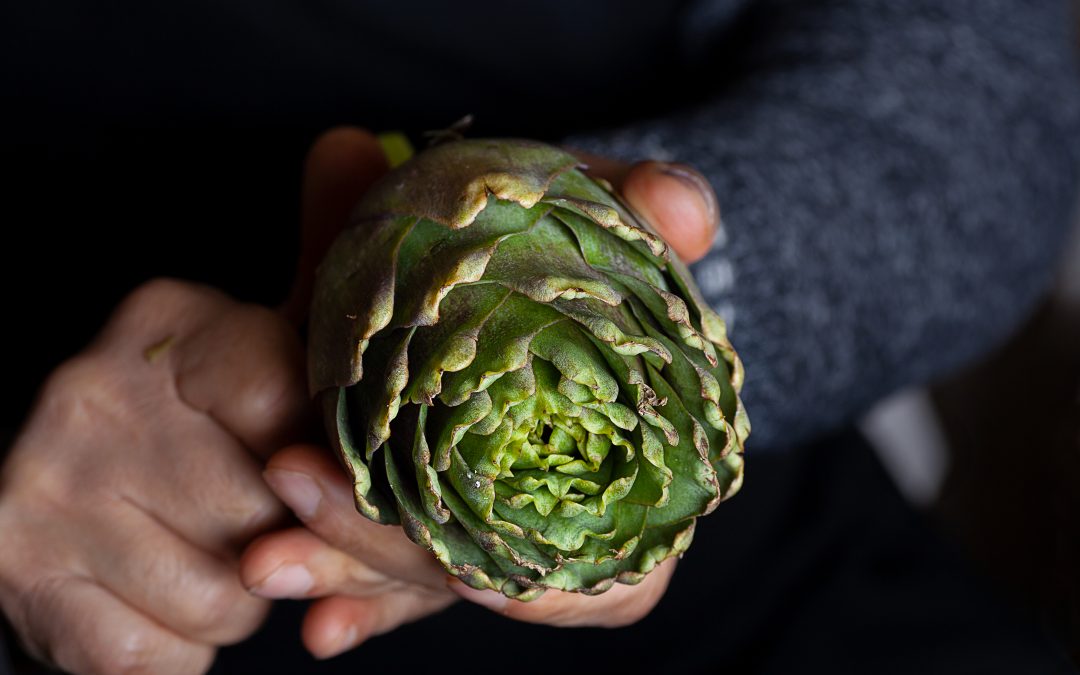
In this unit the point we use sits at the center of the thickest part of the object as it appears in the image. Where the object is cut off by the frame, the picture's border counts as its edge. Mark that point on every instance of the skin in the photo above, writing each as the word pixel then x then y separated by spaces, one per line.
pixel 138 508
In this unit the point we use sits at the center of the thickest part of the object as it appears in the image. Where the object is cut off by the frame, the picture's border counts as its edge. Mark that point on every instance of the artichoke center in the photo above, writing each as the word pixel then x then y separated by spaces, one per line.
pixel 556 443
pixel 555 459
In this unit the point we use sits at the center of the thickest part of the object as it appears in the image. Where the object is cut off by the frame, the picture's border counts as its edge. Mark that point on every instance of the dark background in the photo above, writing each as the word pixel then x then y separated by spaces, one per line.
pixel 167 139
pixel 143 140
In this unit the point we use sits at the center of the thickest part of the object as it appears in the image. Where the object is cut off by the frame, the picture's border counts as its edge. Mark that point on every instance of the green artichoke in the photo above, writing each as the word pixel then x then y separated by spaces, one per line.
pixel 520 372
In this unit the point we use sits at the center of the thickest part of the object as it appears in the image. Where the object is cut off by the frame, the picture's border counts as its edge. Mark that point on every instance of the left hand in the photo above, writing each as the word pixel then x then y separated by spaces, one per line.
pixel 370 578
pixel 136 482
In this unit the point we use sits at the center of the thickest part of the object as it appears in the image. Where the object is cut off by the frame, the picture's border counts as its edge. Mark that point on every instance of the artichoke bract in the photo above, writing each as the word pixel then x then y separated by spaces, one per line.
pixel 520 372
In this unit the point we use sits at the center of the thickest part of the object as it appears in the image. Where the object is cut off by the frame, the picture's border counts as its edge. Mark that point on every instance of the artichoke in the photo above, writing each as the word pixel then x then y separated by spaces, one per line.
pixel 518 370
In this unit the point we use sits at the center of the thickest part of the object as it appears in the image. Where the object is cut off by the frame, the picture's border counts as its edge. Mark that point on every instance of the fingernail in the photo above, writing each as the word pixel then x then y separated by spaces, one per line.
pixel 493 600
pixel 299 491
pixel 287 581
pixel 690 178
pixel 345 641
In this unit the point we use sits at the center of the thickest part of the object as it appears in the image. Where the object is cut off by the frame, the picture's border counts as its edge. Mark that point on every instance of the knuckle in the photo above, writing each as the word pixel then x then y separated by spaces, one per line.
pixel 145 651
pixel 80 374
pixel 272 396
pixel 277 390
pixel 45 606
pixel 224 613
pixel 38 608
pixel 137 652
pixel 155 292
pixel 72 393
pixel 211 607
pixel 253 512
pixel 159 301
pixel 79 400
pixel 87 394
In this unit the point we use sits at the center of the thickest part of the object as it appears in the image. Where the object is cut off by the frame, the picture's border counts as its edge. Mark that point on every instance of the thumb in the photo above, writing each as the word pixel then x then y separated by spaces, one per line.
pixel 678 201
pixel 341 165
pixel 674 198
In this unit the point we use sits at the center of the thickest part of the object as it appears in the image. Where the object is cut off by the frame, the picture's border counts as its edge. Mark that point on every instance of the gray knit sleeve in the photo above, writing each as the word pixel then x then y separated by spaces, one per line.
pixel 895 178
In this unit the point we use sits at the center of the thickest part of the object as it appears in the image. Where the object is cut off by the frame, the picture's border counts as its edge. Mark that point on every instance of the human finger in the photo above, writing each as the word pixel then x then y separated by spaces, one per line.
pixel 80 627
pixel 621 605
pixel 679 203
pixel 245 369
pixel 241 365
pixel 336 624
pixel 675 198
pixel 316 488
pixel 165 577
pixel 295 564
pixel 213 495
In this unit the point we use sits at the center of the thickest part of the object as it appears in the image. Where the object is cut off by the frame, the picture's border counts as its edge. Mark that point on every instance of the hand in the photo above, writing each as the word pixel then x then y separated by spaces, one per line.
pixel 136 482
pixel 371 578
pixel 129 491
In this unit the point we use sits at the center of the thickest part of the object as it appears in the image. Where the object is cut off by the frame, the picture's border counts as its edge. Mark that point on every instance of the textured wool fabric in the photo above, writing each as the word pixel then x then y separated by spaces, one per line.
pixel 896 178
